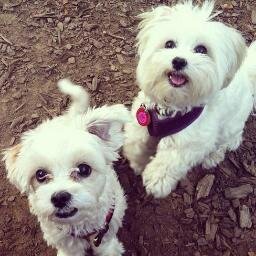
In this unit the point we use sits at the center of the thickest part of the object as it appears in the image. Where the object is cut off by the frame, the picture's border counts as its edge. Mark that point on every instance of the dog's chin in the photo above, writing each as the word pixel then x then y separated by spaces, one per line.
pixel 65 215
pixel 177 79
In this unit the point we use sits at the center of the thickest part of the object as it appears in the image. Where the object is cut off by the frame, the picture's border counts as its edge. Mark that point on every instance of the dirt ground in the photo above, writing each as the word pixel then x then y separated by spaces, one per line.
pixel 92 42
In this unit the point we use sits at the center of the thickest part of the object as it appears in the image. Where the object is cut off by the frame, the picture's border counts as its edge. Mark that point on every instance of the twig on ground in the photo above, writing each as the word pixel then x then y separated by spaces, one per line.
pixel 6 75
pixel 45 15
pixel 19 107
pixel 114 36
pixel 6 39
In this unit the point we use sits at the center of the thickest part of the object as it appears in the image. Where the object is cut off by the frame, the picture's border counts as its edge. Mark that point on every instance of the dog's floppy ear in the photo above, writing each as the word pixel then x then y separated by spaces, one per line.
pixel 10 158
pixel 107 123
pixel 232 51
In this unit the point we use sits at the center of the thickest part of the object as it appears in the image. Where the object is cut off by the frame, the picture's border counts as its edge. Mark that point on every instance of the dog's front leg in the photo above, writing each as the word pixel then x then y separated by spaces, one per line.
pixel 138 147
pixel 168 166
pixel 69 249
pixel 110 247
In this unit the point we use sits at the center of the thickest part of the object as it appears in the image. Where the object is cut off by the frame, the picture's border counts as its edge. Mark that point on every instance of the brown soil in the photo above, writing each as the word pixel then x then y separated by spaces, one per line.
pixel 92 42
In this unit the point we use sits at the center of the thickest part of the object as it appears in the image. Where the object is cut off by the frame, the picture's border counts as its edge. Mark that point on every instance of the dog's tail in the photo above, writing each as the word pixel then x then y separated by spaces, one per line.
pixel 79 96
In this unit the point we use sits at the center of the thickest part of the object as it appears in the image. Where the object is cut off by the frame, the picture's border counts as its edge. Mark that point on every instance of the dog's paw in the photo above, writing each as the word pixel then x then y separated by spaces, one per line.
pixel 213 159
pixel 110 248
pixel 157 184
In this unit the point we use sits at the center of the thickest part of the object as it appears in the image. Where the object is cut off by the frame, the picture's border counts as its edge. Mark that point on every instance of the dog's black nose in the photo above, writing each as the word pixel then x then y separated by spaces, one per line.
pixel 60 199
pixel 179 63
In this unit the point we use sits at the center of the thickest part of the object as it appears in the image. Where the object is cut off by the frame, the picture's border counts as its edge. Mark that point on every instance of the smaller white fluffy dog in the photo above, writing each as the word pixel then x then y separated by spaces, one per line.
pixel 197 87
pixel 65 167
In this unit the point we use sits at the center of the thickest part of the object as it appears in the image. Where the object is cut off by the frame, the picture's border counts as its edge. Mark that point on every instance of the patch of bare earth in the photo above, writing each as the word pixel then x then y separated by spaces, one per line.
pixel 92 42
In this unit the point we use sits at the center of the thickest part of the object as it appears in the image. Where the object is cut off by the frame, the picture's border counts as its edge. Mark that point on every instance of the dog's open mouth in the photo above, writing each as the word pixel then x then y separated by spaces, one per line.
pixel 177 79
pixel 66 213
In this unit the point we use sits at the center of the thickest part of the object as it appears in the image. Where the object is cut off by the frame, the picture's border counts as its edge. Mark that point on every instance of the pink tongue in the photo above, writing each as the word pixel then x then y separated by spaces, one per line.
pixel 177 80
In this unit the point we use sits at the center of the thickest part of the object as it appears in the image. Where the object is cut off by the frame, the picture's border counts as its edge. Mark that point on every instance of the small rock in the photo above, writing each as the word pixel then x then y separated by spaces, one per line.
pixel 187 185
pixel 245 217
pixel 60 26
pixel 50 20
pixel 113 67
pixel 4 47
pixel 17 95
pixel 127 71
pixel 210 230
pixel 236 203
pixel 204 186
pixel 10 51
pixel 201 241
pixel 68 46
pixel 17 121
pixel 72 26
pixel 26 59
pixel 89 27
pixel 12 141
pixel 120 59
pixel 189 213
pixel 232 214
pixel 237 232
pixel 204 208
pixel 8 219
pixel 227 253
pixel 187 199
pixel 218 242
pixel 124 23
pixel 227 6
pixel 253 17
pixel 4 203
pixel 94 84
pixel 118 49
pixel 215 202
pixel 34 116
pixel 226 171
pixel 11 198
pixel 186 221
pixel 67 19
pixel 71 60
pixel 96 43
pixel 141 240
pixel 238 192
pixel 227 233
pixel 22 80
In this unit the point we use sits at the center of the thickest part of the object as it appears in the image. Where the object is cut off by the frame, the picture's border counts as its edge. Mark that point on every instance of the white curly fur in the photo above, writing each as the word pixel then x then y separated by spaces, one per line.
pixel 82 135
pixel 217 80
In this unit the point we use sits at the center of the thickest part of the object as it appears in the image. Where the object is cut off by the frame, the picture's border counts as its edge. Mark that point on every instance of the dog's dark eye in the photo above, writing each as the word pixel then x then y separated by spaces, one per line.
pixel 170 44
pixel 200 49
pixel 84 170
pixel 41 175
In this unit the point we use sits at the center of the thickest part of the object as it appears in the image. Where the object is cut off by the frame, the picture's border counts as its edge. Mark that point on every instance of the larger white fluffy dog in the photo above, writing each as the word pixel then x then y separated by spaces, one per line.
pixel 195 95
pixel 65 167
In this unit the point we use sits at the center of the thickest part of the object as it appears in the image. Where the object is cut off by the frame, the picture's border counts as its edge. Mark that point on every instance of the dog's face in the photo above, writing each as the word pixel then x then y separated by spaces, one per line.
pixel 184 56
pixel 63 164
